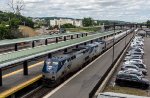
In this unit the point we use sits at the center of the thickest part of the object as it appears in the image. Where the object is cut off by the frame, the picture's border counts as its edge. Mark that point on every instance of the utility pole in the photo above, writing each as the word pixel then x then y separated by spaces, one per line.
pixel 113 44
pixel 125 36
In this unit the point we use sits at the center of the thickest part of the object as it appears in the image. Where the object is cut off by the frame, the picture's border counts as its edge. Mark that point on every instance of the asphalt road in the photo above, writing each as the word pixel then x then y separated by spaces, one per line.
pixel 82 84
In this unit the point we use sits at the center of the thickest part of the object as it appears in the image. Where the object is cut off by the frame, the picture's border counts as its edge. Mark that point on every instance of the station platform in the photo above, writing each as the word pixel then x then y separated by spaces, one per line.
pixel 16 81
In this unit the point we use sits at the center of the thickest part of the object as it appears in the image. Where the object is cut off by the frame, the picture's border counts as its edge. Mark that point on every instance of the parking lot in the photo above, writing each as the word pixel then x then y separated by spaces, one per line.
pixel 113 87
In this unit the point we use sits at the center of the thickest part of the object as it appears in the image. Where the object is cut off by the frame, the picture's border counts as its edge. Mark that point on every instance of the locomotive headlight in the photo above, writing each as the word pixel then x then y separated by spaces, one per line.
pixel 48 63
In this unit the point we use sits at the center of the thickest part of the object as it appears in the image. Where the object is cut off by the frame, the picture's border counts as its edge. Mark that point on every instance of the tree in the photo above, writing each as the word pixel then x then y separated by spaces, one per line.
pixel 87 22
pixel 16 6
pixel 5 32
pixel 15 23
pixel 148 23
pixel 67 25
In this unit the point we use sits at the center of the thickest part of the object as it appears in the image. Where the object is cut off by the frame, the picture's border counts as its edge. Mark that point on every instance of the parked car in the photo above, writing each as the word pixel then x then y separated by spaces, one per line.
pixel 132 57
pixel 137 50
pixel 137 60
pixel 126 66
pixel 130 71
pixel 140 65
pixel 132 80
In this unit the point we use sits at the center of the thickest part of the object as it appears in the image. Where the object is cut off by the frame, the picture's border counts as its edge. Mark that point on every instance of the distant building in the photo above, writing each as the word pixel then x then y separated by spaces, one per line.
pixel 77 23
pixel 59 22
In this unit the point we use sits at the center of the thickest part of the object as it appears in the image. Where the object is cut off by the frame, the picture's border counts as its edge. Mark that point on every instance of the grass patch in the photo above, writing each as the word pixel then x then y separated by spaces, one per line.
pixel 126 90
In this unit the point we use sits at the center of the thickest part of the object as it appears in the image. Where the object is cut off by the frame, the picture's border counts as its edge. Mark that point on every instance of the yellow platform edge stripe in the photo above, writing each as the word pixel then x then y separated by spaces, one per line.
pixel 19 87
pixel 17 71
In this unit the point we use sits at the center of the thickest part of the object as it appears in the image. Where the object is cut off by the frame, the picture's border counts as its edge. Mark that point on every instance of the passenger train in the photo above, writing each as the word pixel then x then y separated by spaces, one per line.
pixel 58 67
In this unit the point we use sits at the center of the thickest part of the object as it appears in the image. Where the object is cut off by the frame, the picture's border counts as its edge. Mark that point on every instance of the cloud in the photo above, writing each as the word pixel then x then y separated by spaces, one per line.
pixel 127 10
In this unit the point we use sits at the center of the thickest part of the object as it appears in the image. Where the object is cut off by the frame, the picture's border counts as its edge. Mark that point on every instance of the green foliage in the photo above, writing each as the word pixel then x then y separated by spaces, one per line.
pixel 15 19
pixel 87 22
pixel 68 25
pixel 9 24
pixel 14 23
pixel 5 32
pixel 148 23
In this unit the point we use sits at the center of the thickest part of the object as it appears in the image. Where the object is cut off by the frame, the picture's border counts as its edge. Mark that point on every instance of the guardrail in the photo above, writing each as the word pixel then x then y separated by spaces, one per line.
pixel 92 93
pixel 29 54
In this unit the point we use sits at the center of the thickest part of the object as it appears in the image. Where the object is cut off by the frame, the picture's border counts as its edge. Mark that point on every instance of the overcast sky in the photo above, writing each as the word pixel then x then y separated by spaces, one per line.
pixel 126 10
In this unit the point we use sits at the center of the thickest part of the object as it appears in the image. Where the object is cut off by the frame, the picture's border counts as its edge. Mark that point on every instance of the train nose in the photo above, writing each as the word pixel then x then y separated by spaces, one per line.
pixel 50 75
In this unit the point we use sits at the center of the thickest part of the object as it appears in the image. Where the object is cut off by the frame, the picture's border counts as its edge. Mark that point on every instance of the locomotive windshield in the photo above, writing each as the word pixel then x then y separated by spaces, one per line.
pixel 55 63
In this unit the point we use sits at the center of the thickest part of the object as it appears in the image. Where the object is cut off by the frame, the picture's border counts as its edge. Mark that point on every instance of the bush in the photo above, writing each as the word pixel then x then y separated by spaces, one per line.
pixel 68 25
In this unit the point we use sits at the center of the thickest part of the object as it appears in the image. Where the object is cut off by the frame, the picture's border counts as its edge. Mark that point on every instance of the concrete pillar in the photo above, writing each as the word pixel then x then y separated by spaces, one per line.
pixel 49 55
pixel 25 67
pixel 65 38
pixel 82 34
pixel 71 36
pixel 33 44
pixel 46 41
pixel 77 35
pixel 56 39
pixel 16 47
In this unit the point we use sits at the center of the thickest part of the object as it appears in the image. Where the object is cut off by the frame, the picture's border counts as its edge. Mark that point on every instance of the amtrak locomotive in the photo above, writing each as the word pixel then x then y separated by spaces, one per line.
pixel 58 67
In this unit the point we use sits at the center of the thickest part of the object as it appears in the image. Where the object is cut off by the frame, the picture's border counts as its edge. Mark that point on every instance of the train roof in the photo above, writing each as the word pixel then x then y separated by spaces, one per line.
pixel 75 50
pixel 60 57
pixel 92 45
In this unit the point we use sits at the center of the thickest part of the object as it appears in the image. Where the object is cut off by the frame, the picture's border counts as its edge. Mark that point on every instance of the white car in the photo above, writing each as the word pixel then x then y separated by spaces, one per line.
pixel 126 66
pixel 133 71
pixel 137 60
pixel 140 65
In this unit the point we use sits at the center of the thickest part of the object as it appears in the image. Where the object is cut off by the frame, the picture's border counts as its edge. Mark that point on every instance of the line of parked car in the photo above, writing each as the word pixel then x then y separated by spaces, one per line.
pixel 133 69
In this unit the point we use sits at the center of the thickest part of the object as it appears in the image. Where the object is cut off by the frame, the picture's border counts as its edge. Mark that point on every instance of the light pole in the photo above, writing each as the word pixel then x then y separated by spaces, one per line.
pixel 125 36
pixel 113 44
